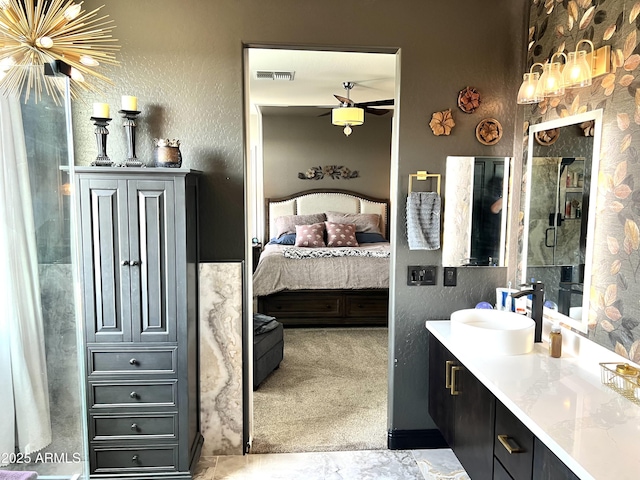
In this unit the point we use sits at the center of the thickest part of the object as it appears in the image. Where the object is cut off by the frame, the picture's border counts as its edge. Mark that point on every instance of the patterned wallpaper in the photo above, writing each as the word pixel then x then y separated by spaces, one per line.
pixel 614 313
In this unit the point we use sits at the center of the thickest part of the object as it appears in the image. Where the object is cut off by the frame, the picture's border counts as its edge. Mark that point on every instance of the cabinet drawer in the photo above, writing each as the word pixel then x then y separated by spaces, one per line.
pixel 363 306
pixel 499 473
pixel 142 360
pixel 517 437
pixel 124 459
pixel 133 394
pixel 106 427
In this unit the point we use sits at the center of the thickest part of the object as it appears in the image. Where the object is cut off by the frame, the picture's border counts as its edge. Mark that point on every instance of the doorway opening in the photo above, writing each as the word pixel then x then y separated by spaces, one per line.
pixel 293 146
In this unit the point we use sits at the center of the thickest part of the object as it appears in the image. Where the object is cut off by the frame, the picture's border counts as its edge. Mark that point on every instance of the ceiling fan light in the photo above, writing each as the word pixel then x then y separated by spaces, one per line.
pixel 342 116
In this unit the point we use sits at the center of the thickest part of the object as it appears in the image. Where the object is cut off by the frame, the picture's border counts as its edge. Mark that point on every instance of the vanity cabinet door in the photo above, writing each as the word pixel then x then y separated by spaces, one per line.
pixel 440 398
pixel 513 444
pixel 473 424
pixel 546 466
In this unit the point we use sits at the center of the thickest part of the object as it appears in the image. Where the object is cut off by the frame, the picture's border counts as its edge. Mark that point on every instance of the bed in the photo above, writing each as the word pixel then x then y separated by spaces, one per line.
pixel 314 285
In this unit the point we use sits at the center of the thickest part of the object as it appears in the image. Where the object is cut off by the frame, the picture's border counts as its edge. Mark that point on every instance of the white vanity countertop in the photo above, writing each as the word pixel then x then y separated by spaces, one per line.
pixel 592 429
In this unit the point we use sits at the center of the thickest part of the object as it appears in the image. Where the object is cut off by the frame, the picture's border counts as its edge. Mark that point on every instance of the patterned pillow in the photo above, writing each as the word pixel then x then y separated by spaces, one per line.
pixel 341 234
pixel 310 235
pixel 286 224
pixel 364 222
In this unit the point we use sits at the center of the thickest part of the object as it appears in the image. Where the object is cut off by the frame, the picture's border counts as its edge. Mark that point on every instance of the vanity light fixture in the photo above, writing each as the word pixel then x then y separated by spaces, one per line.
pixel 347 115
pixel 578 71
pixel 38 34
pixel 528 92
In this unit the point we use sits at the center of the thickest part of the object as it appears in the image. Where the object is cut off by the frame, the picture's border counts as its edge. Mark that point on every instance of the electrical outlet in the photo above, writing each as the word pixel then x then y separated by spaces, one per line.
pixel 421 275
pixel 450 276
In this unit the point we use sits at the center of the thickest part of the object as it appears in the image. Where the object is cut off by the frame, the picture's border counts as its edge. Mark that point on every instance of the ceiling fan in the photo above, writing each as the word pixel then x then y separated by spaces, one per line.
pixel 366 106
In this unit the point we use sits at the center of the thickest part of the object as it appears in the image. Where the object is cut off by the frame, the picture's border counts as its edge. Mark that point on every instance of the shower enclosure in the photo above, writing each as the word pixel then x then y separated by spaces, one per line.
pixel 44 432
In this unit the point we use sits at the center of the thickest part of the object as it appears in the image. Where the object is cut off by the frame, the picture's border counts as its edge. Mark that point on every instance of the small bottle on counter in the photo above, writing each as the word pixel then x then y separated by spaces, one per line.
pixel 555 342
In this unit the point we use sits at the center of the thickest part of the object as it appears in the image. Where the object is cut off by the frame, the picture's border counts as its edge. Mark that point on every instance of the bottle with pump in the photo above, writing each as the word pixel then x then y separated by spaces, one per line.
pixel 508 302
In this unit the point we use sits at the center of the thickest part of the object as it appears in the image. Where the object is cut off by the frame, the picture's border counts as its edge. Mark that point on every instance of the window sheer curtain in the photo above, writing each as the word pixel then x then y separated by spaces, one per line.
pixel 24 397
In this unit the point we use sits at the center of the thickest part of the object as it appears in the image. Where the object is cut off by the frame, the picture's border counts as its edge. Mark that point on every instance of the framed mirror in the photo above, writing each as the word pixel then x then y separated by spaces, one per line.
pixel 559 211
pixel 475 216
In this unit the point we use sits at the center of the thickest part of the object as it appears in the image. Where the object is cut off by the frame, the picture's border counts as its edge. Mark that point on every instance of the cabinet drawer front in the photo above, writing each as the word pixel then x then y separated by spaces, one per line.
pixel 160 360
pixel 304 304
pixel 106 427
pixel 151 458
pixel 512 434
pixel 363 306
pixel 133 394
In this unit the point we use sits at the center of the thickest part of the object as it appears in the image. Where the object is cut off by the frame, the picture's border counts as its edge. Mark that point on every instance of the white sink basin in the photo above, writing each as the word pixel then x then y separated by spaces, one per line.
pixel 493 332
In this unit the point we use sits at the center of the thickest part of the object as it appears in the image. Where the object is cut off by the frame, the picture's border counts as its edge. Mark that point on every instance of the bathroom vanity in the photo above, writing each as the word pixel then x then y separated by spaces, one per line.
pixel 531 416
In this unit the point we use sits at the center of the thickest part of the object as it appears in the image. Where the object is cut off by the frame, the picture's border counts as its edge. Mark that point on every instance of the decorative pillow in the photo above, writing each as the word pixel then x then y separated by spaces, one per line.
pixel 341 235
pixel 310 235
pixel 363 237
pixel 286 239
pixel 286 224
pixel 364 222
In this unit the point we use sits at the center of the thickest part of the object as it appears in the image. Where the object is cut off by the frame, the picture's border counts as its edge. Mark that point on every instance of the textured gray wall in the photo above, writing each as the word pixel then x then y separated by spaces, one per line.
pixel 183 59
pixel 293 144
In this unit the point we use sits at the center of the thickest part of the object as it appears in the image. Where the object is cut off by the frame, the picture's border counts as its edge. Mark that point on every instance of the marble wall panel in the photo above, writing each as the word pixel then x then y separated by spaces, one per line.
pixel 221 358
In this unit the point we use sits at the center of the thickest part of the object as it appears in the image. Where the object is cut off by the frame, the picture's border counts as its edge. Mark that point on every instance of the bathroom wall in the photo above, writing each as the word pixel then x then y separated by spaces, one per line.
pixel 184 61
pixel 614 315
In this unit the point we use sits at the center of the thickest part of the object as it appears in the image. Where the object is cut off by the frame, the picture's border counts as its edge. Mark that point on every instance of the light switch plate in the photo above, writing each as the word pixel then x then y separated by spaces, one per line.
pixel 421 275
pixel 450 276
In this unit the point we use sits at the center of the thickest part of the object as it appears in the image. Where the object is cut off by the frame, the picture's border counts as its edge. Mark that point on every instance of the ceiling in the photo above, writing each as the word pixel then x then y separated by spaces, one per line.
pixel 318 76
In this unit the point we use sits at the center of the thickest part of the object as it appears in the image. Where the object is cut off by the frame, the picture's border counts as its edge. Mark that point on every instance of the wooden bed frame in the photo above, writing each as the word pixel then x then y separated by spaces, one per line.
pixel 326 308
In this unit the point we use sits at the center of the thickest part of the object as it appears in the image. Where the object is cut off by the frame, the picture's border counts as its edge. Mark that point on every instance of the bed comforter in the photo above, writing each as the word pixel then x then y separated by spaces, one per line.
pixel 275 272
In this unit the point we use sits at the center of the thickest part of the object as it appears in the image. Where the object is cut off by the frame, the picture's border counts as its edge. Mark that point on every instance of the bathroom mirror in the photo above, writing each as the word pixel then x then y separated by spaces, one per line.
pixel 559 212
pixel 475 217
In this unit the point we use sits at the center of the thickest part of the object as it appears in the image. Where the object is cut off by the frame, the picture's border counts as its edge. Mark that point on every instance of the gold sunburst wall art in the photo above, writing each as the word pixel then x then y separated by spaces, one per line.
pixel 37 33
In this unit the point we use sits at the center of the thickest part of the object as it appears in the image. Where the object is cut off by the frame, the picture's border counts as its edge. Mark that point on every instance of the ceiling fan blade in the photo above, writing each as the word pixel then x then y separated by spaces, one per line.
pixel 344 100
pixel 325 114
pixel 376 111
pixel 376 103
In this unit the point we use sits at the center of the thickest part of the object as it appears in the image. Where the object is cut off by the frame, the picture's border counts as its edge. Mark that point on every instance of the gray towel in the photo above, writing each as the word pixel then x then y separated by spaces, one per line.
pixel 16 475
pixel 423 221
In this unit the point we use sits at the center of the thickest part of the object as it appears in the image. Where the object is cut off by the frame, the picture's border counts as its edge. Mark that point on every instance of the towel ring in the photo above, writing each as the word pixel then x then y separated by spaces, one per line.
pixel 423 175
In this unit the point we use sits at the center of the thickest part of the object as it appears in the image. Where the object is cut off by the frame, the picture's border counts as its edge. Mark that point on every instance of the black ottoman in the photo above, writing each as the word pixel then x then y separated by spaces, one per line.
pixel 268 346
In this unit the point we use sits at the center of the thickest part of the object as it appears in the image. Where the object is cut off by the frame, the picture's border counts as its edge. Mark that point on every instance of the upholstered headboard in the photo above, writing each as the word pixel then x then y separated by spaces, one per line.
pixel 322 200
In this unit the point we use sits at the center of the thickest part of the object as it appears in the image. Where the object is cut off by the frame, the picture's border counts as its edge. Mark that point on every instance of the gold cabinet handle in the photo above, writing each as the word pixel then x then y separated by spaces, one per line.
pixel 447 373
pixel 454 369
pixel 504 440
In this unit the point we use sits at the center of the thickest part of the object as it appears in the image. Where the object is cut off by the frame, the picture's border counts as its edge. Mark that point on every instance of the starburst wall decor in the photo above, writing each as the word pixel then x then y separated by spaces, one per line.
pixel 35 34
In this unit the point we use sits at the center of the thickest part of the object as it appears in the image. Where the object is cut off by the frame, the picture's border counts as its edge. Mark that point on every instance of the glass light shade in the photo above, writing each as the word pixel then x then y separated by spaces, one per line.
pixel 44 42
pixel 347 116
pixel 72 12
pixel 550 84
pixel 528 90
pixel 577 71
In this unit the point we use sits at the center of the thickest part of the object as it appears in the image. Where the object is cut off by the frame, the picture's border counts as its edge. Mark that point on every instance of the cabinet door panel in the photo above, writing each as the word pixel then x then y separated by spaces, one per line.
pixel 152 237
pixel 474 425
pixel 440 398
pixel 105 246
pixel 546 466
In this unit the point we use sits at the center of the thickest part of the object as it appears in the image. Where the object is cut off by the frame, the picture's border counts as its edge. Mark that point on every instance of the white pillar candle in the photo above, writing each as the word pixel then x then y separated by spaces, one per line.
pixel 129 103
pixel 101 110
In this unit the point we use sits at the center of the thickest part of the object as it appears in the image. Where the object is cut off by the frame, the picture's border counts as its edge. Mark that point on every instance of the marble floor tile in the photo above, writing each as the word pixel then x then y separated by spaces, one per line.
pixel 361 465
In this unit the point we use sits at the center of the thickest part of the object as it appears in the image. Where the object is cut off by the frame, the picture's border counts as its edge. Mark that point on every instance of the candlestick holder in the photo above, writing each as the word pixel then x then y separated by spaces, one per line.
pixel 130 129
pixel 102 160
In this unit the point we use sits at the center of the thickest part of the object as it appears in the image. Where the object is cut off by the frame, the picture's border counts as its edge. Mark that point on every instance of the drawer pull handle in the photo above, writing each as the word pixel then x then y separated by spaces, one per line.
pixel 447 373
pixel 134 459
pixel 134 427
pixel 454 370
pixel 504 440
pixel 135 263
pixel 134 395
pixel 124 263
pixel 133 361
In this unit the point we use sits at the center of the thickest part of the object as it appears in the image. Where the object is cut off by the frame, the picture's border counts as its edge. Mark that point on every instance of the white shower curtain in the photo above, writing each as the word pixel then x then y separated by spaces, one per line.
pixel 23 369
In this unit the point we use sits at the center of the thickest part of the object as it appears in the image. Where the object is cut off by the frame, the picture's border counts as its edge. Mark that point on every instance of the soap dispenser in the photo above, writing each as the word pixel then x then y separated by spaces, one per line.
pixel 508 302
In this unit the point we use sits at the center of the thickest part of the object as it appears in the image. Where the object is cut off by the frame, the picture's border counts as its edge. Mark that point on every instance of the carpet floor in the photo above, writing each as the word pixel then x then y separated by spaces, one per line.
pixel 330 393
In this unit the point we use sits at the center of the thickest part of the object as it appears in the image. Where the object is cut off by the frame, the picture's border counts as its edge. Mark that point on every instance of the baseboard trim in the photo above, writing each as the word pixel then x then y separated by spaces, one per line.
pixel 415 439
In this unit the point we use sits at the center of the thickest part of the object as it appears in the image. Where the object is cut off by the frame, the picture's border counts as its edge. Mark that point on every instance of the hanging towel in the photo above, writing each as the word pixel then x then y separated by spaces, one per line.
pixel 423 220
pixel 11 475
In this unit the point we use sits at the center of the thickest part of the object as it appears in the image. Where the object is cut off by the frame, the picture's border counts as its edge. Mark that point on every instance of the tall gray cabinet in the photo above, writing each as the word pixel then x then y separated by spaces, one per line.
pixel 139 249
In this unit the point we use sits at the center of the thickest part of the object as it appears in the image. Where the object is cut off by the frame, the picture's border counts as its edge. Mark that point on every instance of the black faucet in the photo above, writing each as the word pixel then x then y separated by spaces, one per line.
pixel 537 306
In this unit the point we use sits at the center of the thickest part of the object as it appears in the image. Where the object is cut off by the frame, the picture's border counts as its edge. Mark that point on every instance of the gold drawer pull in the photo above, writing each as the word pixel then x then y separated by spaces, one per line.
pixel 454 370
pixel 133 361
pixel 504 440
pixel 134 459
pixel 134 427
pixel 134 395
pixel 447 373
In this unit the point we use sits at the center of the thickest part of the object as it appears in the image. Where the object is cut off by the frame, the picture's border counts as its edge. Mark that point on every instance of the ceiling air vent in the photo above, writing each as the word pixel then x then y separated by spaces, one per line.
pixel 270 75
